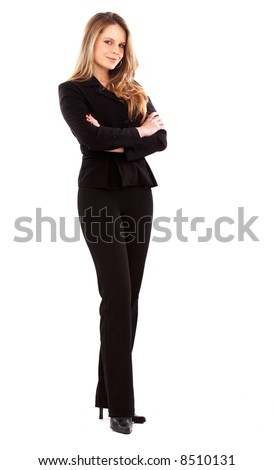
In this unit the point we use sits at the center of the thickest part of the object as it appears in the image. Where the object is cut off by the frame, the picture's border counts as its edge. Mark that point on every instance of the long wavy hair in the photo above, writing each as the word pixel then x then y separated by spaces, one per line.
pixel 121 79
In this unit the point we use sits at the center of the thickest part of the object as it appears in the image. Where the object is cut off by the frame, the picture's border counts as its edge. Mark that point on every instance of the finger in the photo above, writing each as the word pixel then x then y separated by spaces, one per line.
pixel 157 122
pixel 152 115
pixel 160 124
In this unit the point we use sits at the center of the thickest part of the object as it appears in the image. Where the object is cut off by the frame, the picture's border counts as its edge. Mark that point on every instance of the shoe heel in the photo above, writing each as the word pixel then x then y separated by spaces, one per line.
pixel 100 413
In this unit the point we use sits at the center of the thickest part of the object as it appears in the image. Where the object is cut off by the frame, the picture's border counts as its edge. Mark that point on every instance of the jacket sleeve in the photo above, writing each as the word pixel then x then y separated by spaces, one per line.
pixel 147 145
pixel 74 109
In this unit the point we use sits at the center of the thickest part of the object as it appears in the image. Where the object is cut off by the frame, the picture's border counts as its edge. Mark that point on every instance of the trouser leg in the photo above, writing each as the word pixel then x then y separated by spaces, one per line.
pixel 138 220
pixel 140 210
pixel 119 263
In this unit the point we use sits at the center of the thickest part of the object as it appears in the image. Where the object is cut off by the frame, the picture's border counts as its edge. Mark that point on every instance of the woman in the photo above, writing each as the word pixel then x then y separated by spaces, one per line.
pixel 117 126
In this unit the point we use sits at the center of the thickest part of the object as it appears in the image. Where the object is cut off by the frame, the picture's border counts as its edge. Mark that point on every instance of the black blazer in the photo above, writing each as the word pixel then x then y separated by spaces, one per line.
pixel 100 168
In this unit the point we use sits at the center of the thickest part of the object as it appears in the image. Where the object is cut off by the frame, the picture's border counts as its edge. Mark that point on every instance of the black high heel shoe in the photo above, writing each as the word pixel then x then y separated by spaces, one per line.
pixel 138 419
pixel 135 418
pixel 121 424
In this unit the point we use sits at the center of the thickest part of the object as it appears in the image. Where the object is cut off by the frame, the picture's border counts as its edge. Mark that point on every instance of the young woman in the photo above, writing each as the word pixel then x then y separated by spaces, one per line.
pixel 117 127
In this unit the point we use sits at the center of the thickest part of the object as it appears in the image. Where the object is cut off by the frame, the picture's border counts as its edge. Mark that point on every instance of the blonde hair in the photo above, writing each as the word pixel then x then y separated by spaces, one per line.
pixel 122 81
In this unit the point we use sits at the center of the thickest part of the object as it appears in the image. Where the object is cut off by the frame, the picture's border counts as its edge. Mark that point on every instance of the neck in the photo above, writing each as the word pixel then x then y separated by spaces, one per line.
pixel 102 76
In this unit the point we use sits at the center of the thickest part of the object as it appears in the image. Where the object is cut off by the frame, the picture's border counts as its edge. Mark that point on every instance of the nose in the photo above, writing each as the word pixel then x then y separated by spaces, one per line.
pixel 116 50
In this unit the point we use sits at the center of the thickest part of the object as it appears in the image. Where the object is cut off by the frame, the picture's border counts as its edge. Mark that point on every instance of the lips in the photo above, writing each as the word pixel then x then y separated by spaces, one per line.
pixel 113 59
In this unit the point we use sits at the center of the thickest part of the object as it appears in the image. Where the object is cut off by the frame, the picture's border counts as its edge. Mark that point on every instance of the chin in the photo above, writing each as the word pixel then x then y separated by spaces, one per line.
pixel 110 66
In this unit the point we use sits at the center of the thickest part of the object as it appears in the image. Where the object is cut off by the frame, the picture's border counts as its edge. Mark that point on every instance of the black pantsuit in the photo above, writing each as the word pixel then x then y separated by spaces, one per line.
pixel 115 209
pixel 118 240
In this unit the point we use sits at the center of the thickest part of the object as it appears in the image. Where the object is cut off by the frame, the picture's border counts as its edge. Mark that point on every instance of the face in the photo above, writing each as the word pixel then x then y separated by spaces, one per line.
pixel 109 48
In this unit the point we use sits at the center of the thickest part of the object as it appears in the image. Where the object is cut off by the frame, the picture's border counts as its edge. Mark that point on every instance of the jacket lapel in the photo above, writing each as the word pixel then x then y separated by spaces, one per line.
pixel 99 89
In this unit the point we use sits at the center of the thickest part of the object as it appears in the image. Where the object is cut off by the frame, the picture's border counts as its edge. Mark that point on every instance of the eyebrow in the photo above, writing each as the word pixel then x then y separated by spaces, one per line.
pixel 122 42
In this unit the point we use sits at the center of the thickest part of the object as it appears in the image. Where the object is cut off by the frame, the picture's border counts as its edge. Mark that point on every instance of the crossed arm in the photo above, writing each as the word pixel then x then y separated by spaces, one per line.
pixel 135 142
pixel 151 125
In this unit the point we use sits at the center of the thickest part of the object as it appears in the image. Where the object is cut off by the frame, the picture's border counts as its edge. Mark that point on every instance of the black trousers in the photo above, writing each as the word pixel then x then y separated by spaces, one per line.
pixel 116 225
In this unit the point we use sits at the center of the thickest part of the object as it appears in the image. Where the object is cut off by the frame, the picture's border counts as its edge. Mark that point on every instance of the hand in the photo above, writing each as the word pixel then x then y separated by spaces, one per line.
pixel 92 120
pixel 152 124
pixel 119 150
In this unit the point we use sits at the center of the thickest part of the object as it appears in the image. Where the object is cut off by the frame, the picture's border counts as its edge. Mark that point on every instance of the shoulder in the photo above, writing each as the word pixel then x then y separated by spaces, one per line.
pixel 71 92
pixel 136 83
pixel 76 89
pixel 67 88
pixel 68 85
pixel 138 86
pixel 65 84
pixel 79 84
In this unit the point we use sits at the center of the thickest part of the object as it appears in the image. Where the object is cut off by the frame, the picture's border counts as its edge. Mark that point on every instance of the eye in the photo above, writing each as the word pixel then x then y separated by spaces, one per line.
pixel 122 46
pixel 108 42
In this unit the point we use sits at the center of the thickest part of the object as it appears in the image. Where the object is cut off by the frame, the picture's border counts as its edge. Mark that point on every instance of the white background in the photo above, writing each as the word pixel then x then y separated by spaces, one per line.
pixel 203 358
